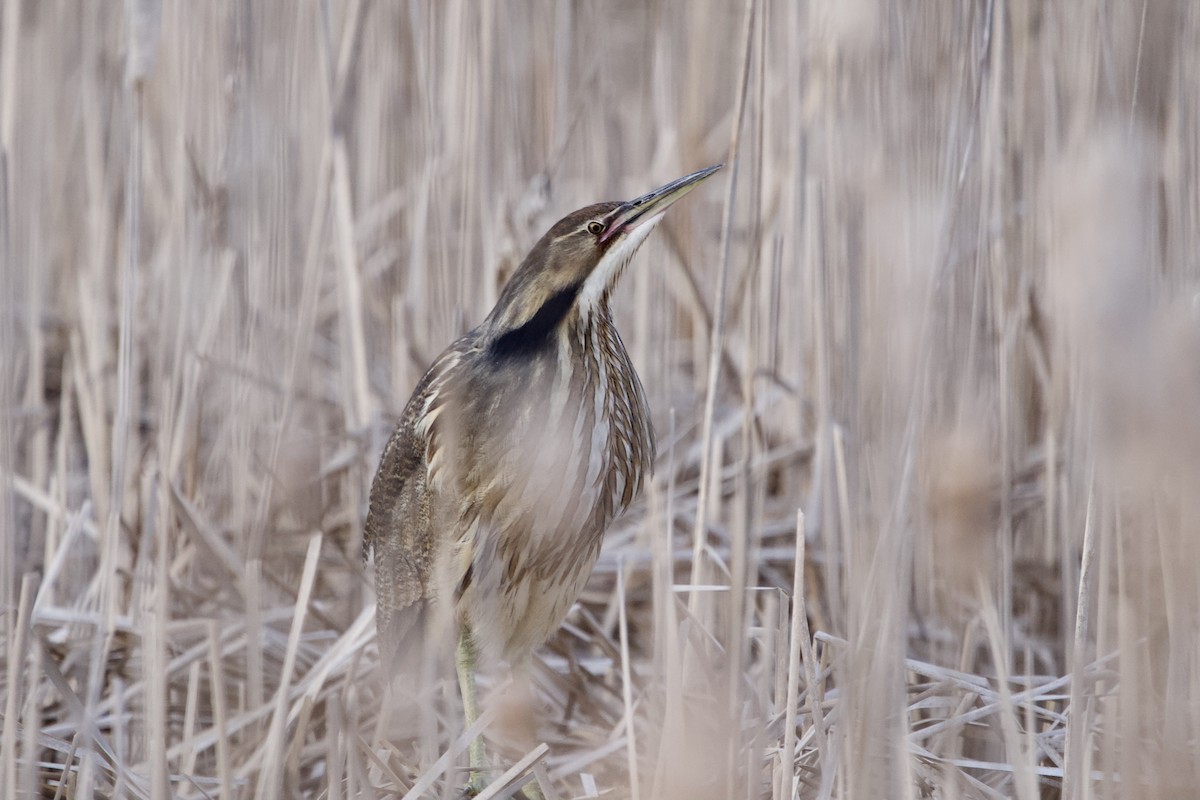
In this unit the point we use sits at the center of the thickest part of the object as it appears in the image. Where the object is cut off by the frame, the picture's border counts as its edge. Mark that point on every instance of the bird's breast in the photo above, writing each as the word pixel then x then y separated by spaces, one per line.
pixel 556 447
pixel 555 416
pixel 573 445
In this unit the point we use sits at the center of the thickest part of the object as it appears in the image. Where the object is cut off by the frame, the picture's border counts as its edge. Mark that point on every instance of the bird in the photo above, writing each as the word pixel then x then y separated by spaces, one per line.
pixel 522 443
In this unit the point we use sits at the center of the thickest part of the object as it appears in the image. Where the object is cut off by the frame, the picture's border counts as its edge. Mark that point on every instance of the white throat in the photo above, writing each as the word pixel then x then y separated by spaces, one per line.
pixel 597 286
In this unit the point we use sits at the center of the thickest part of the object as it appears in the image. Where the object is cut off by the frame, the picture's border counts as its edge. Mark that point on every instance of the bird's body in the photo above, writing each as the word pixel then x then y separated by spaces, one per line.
pixel 520 445
pixel 512 458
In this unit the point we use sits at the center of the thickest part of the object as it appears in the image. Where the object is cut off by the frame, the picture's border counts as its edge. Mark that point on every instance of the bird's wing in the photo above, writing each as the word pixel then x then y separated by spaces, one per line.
pixel 400 526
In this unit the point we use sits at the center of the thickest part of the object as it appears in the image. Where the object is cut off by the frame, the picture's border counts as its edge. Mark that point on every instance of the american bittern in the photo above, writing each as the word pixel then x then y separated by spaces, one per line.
pixel 518 448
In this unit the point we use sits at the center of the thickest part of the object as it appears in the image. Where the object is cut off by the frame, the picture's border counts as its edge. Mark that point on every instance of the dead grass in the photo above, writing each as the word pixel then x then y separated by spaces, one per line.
pixel 946 304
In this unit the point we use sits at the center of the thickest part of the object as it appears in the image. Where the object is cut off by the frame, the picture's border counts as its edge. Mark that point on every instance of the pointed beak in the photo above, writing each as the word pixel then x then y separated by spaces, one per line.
pixel 650 205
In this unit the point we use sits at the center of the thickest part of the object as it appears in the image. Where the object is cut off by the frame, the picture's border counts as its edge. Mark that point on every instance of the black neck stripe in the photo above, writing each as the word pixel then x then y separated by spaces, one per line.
pixel 535 333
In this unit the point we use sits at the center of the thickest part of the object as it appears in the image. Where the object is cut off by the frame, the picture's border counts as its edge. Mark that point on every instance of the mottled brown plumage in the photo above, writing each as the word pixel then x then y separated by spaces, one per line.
pixel 518 448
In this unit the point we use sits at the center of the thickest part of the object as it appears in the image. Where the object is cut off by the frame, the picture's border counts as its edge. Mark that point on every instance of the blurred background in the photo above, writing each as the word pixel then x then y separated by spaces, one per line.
pixel 924 362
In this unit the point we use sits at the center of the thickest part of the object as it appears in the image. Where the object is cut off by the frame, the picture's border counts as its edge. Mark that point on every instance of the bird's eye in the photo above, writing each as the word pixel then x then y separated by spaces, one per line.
pixel 595 228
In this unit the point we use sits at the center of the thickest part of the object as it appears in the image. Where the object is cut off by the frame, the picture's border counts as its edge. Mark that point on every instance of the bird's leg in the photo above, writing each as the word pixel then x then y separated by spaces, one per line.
pixel 464 662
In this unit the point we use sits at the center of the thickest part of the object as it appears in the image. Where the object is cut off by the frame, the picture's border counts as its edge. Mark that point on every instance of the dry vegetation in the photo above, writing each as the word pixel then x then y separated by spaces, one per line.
pixel 945 300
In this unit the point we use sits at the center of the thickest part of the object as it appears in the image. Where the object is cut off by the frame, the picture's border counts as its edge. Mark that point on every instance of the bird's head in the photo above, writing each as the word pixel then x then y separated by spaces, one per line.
pixel 573 268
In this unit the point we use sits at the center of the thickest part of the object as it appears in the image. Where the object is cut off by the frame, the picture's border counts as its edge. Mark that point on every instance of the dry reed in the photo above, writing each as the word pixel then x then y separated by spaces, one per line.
pixel 947 307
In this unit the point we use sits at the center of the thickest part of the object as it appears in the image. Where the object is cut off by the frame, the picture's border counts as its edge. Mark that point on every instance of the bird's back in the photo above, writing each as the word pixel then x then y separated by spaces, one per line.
pixel 401 529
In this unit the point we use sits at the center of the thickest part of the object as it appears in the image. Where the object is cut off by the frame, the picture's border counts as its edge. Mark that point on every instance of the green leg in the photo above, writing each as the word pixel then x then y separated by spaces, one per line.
pixel 464 662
